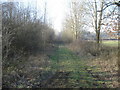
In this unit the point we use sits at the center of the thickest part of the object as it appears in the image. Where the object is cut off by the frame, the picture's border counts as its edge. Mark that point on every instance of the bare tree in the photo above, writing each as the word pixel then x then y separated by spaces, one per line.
pixel 99 13
pixel 74 20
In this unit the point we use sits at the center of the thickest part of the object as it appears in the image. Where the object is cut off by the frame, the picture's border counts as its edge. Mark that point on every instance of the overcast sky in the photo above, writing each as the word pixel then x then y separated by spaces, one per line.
pixel 55 10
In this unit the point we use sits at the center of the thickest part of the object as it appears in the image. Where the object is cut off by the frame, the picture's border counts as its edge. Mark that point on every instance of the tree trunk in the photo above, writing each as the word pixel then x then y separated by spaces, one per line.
pixel 76 35
pixel 96 29
pixel 98 24
pixel 98 37
pixel 118 47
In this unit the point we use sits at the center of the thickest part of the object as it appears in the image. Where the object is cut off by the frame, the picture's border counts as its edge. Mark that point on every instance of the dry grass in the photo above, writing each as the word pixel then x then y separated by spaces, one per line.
pixel 28 71
pixel 110 67
pixel 105 60
pixel 27 74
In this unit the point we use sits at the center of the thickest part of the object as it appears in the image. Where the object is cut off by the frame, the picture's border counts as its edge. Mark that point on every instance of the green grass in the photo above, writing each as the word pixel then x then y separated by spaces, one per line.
pixel 112 43
pixel 66 61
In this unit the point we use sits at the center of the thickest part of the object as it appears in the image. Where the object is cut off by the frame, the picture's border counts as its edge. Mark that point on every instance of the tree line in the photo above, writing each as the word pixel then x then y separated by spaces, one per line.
pixel 99 15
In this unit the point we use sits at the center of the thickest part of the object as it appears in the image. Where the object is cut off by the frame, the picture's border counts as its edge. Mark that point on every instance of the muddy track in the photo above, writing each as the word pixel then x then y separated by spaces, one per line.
pixel 58 80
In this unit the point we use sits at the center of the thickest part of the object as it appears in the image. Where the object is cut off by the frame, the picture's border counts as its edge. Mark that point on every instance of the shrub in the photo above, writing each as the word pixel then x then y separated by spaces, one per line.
pixel 84 48
pixel 22 34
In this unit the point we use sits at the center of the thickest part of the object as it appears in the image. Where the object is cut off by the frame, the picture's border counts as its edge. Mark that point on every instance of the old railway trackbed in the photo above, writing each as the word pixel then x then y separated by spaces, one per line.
pixel 70 72
pixel 58 80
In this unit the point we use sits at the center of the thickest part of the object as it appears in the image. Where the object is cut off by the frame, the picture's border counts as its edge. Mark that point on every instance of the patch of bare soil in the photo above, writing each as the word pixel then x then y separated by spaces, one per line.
pixel 31 73
pixel 106 70
pixel 58 80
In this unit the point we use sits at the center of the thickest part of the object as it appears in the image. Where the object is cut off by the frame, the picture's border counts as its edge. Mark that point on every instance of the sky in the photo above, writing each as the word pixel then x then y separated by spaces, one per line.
pixel 55 9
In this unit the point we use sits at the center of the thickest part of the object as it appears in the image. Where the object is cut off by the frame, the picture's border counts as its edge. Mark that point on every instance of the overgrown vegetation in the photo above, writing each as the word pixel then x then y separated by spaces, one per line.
pixel 103 63
pixel 34 57
pixel 23 36
pixel 71 71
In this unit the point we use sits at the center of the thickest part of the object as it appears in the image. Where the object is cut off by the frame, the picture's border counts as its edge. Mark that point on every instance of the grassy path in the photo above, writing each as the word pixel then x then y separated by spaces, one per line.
pixel 71 71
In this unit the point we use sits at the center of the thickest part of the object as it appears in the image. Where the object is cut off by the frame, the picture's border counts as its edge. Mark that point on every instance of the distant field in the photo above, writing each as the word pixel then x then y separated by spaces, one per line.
pixel 112 43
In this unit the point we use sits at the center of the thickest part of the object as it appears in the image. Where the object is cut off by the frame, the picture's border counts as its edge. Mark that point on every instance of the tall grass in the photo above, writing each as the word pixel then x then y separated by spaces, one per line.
pixel 105 59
